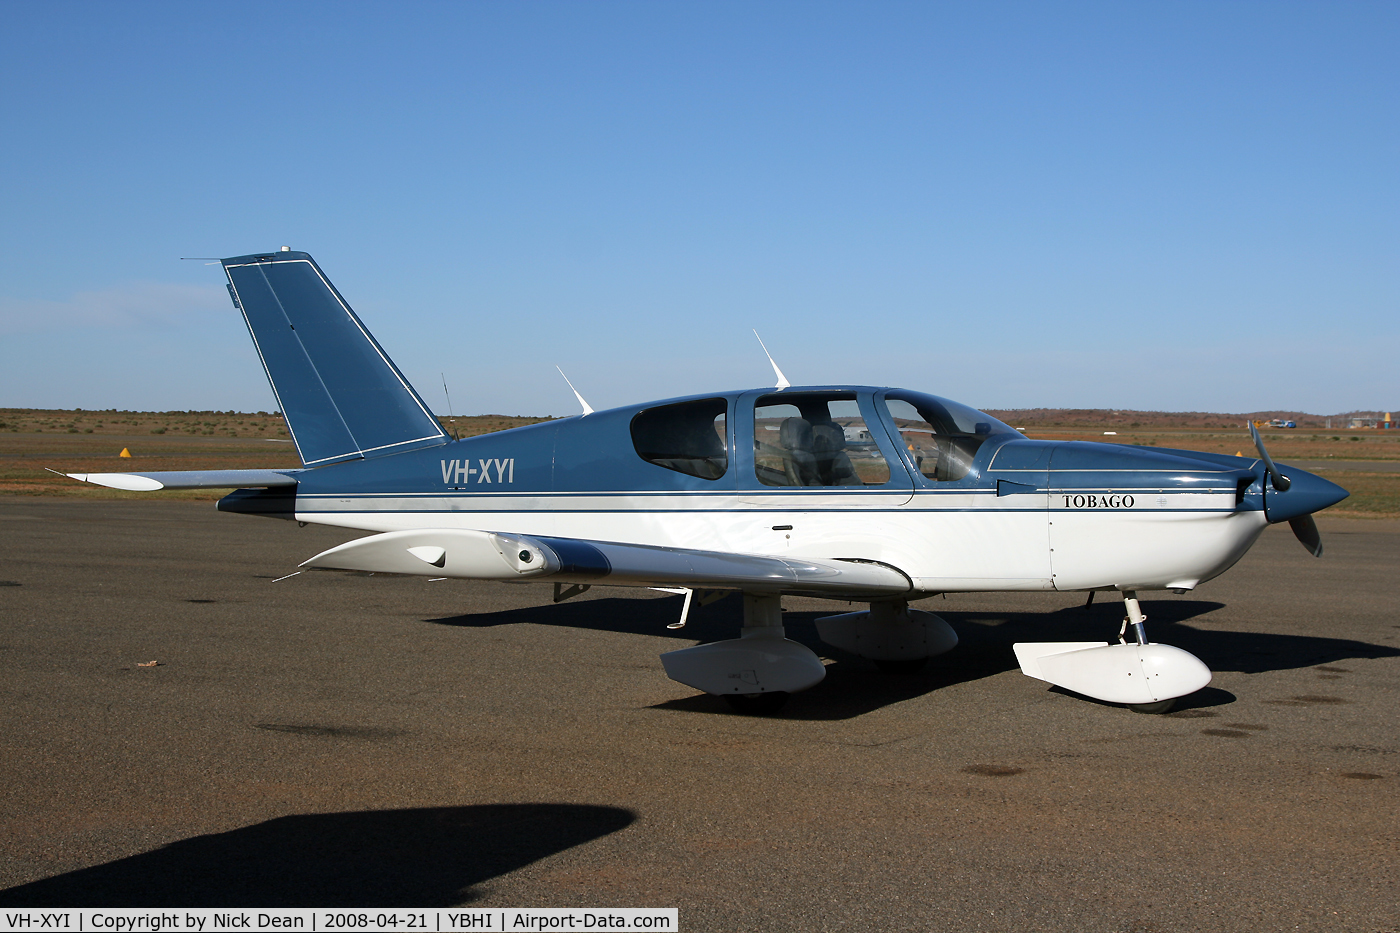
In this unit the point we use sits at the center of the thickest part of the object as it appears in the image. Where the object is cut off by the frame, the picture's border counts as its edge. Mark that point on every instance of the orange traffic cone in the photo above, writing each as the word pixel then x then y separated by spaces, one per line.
pixel 125 453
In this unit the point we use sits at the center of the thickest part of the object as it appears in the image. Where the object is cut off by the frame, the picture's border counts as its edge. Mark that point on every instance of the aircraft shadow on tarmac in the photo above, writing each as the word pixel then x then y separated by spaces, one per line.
pixel 854 686
pixel 427 857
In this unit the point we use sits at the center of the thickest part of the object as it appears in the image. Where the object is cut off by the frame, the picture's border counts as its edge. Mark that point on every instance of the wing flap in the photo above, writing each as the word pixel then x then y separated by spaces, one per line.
pixel 190 479
pixel 485 555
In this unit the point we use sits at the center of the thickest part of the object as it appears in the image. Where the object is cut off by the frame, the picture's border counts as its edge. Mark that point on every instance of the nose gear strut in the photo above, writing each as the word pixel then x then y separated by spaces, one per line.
pixel 1135 618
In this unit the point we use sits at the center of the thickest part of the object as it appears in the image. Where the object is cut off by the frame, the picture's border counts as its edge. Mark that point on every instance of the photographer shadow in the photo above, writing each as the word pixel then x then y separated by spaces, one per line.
pixel 424 857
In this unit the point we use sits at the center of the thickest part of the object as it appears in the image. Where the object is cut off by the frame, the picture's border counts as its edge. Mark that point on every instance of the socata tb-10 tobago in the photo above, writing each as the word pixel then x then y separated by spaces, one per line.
pixel 863 494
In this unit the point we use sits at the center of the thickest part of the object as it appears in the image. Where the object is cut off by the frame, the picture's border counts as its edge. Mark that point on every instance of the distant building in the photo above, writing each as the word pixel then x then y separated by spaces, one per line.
pixel 1373 420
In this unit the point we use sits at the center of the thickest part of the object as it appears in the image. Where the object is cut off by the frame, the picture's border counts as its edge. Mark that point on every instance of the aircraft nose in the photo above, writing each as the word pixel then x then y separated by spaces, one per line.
pixel 1306 493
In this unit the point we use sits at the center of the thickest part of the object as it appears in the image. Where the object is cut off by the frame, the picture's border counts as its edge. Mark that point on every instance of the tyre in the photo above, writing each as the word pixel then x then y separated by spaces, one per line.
pixel 1161 706
pixel 756 704
pixel 903 666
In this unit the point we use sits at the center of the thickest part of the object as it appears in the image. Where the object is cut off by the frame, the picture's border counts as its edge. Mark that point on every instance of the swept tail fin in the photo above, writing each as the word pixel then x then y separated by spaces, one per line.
pixel 342 396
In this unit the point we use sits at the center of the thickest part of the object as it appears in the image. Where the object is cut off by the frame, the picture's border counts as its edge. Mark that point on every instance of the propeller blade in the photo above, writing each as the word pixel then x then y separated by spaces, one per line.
pixel 1279 480
pixel 1305 529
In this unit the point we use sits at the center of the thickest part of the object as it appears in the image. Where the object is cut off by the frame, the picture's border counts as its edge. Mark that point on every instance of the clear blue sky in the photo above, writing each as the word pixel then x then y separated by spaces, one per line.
pixel 1168 205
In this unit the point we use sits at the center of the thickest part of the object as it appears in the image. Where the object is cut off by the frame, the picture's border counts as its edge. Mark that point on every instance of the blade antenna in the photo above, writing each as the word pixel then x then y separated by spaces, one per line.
pixel 587 408
pixel 782 380
pixel 451 418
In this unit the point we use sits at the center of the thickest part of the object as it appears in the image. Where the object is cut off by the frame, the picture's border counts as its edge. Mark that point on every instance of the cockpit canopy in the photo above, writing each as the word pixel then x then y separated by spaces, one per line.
pixel 807 438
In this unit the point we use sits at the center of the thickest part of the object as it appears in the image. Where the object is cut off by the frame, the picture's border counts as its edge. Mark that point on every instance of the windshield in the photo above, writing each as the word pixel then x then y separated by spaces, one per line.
pixel 941 436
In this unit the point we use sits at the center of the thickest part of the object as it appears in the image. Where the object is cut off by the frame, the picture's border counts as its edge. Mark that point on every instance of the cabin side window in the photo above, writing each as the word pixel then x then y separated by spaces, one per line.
pixel 815 440
pixel 688 437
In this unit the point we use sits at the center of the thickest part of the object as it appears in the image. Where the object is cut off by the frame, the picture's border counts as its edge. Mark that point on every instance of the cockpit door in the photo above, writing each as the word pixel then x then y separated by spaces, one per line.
pixel 815 467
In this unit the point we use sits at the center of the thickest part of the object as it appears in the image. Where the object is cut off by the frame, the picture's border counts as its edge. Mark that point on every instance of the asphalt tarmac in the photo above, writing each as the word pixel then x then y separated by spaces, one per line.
pixel 337 740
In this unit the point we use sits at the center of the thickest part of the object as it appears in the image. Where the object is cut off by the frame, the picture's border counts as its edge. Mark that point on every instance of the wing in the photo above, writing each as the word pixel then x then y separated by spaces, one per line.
pixel 485 555
pixel 190 479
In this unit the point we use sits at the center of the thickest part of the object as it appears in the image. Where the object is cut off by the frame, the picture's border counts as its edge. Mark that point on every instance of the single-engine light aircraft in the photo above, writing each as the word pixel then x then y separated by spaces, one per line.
pixel 873 495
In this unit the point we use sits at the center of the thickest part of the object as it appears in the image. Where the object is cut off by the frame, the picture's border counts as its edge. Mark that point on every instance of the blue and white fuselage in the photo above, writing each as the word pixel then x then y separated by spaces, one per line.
pixel 1026 514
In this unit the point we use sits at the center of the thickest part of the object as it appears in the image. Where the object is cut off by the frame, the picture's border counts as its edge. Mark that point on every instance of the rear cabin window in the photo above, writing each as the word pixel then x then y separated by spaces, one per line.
pixel 688 437
pixel 815 440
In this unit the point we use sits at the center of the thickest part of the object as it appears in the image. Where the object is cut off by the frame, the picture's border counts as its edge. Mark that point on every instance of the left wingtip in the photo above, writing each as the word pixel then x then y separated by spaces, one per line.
pixel 130 482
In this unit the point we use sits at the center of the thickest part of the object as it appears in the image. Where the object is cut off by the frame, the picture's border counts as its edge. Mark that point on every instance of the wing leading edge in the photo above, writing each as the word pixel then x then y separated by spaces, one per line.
pixel 485 555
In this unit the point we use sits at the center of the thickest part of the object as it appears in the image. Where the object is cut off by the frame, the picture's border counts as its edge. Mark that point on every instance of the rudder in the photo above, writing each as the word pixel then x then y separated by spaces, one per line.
pixel 342 396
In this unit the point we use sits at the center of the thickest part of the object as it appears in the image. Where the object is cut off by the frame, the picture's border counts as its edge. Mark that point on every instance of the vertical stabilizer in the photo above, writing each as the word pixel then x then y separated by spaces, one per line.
pixel 341 394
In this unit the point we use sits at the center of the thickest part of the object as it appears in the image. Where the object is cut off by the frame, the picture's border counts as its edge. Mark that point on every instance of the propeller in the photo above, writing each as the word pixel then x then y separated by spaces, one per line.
pixel 1304 528
pixel 1281 482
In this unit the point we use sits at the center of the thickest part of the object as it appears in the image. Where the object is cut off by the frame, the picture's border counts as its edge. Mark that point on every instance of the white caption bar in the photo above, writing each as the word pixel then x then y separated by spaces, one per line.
pixel 317 920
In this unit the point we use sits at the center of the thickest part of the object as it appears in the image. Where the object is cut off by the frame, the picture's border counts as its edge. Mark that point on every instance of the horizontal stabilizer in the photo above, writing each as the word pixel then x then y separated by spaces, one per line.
pixel 341 394
pixel 485 555
pixel 190 479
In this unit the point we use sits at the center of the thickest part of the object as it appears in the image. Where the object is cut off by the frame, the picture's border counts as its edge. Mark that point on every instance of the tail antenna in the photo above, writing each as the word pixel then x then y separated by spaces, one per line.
pixel 587 408
pixel 782 380
pixel 451 417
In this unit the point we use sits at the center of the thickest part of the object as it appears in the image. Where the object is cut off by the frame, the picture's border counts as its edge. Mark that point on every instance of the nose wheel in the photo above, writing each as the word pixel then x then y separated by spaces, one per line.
pixel 1138 622
pixel 1144 676
pixel 1163 706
